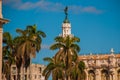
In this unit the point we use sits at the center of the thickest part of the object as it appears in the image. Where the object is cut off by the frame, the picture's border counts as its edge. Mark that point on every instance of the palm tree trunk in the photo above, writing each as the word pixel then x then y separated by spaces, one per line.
pixel 23 69
pixel 18 74
pixel 30 67
pixel 9 73
pixel 67 65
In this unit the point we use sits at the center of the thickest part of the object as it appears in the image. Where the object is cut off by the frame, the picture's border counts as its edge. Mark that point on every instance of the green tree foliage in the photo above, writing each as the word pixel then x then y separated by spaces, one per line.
pixel 23 47
pixel 29 42
pixel 67 55
pixel 8 54
pixel 54 67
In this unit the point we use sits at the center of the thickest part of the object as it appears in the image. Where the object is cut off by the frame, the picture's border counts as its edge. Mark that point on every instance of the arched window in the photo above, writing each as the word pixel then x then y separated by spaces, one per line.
pixel 91 75
pixel 105 75
pixel 118 74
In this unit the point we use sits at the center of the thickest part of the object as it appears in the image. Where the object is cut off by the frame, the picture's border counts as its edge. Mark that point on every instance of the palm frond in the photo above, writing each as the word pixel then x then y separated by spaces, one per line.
pixel 56 46
pixel 75 39
pixel 22 32
pixel 59 39
pixel 41 33
pixel 75 47
pixel 48 59
pixel 7 36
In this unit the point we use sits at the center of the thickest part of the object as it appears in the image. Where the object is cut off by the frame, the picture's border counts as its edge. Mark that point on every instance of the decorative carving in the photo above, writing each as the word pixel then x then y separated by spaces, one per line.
pixel 97 72
pixel 118 61
pixel 91 62
pixel 104 63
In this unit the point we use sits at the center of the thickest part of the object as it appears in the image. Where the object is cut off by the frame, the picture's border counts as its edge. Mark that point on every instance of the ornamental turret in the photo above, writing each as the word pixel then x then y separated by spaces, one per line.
pixel 66 26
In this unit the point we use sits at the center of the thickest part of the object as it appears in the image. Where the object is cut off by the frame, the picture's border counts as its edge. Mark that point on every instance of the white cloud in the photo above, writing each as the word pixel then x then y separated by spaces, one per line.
pixel 27 5
pixel 44 46
pixel 92 9
pixel 50 6
pixel 80 9
pixel 13 2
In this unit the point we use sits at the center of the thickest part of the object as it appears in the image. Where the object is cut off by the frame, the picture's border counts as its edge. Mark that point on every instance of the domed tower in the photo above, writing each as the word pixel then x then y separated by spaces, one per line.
pixel 2 21
pixel 66 26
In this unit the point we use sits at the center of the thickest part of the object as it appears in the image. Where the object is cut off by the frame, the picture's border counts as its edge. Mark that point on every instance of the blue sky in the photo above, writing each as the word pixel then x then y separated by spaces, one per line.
pixel 95 22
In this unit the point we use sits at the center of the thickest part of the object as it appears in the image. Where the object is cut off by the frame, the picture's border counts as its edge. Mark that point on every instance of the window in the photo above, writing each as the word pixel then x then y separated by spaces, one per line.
pixel 39 76
pixel 40 69
pixel 14 77
pixel 29 76
pixel 25 69
pixel 35 76
pixel 13 70
pixel 25 77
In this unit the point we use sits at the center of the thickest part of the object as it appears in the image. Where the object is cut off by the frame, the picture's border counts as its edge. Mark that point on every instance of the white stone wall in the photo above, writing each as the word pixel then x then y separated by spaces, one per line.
pixel 34 72
pixel 66 29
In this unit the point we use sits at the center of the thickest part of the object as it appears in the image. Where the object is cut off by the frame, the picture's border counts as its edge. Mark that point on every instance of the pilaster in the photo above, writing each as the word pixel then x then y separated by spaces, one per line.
pixel 1 31
pixel 114 73
pixel 86 74
pixel 98 74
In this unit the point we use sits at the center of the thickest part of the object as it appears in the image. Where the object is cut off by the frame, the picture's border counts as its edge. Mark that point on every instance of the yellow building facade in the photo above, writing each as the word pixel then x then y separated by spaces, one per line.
pixel 102 67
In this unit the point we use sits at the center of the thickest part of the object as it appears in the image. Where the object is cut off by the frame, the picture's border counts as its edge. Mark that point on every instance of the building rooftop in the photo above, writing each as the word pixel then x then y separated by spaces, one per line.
pixel 100 56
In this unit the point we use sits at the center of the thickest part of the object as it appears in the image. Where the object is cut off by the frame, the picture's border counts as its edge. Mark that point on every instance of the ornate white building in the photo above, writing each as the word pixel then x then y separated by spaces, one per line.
pixel 33 72
pixel 102 67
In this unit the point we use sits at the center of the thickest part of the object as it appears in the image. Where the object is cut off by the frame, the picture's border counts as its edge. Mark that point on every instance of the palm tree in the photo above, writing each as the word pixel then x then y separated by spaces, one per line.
pixel 81 67
pixel 68 50
pixel 77 72
pixel 8 53
pixel 55 68
pixel 29 42
pixel 8 60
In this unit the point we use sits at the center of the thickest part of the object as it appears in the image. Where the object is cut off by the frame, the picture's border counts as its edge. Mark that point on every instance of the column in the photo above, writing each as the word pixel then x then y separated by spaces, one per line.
pixel 1 30
pixel 110 76
pixel 2 21
pixel 86 74
pixel 114 74
pixel 1 9
pixel 98 74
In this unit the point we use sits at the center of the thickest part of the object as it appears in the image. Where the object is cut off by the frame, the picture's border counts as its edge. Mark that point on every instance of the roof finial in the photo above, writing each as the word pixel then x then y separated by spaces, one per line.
pixel 112 50
pixel 90 53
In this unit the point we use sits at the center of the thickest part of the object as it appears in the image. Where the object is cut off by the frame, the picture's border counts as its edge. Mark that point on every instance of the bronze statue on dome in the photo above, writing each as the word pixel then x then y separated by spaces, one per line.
pixel 66 10
pixel 66 15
